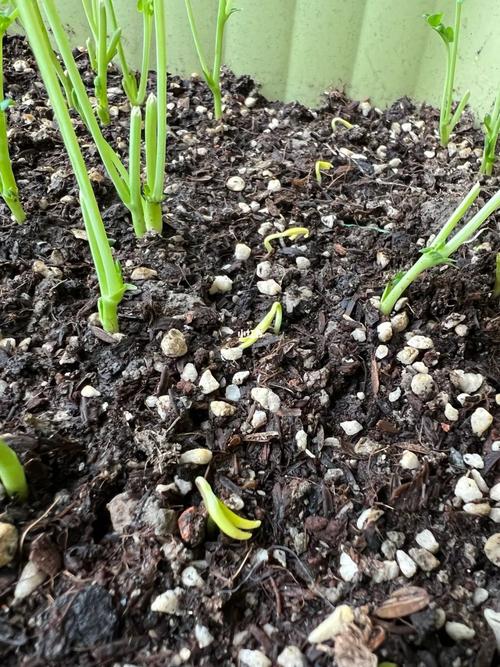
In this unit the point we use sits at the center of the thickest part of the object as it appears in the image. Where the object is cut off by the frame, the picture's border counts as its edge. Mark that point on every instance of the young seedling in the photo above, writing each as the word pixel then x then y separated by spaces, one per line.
pixel 212 77
pixel 12 473
pixel 274 315
pixel 496 289
pixel 449 35
pixel 442 247
pixel 145 206
pixel 227 521
pixel 101 48
pixel 156 128
pixel 291 233
pixel 108 271
pixel 8 186
pixel 491 131
pixel 135 93
pixel 342 121
pixel 320 166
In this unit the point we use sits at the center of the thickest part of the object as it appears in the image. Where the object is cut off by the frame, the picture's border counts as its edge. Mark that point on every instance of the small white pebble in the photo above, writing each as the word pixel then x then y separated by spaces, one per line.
pixel 381 352
pixel 301 440
pixel 302 263
pixel 263 270
pixel 359 335
pixel 240 377
pixel 409 461
pixel 222 409
pixel 474 461
pixel 233 393
pixel 208 383
pixel 268 287
pixel 406 564
pixel 90 392
pixel 395 395
pixel 422 385
pixel 450 413
pixel 426 540
pixel 231 353
pixel 351 427
pixel 221 285
pixel 235 184
pixel 384 332
pixel 400 322
pixel 480 421
pixel 459 631
pixel 189 373
pixel 242 252
pixel 274 185
pixel 259 419
pixel 420 342
pixel 267 398
pixel 407 355
pixel 467 490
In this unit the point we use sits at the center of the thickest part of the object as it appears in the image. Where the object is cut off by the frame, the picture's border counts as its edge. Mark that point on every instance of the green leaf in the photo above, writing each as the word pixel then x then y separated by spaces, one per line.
pixel 6 104
pixel 392 284
pixel 145 6
pixel 435 21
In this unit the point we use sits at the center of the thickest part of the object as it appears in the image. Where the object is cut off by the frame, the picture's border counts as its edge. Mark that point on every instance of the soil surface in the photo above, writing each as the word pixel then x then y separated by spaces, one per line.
pixel 114 519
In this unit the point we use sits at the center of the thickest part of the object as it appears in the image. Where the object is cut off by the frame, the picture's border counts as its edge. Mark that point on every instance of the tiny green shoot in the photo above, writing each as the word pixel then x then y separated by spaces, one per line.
pixel 341 121
pixel 101 48
pixel 8 186
pixel 442 247
pixel 228 522
pixel 275 315
pixel 291 233
pixel 450 36
pixel 491 125
pixel 108 271
pixel 12 473
pixel 212 77
pixel 135 93
pixel 496 289
pixel 320 166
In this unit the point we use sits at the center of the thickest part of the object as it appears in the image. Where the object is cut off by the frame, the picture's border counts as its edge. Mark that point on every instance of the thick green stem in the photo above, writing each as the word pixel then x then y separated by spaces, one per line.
pixel 147 34
pixel 153 216
pixel 117 172
pixel 161 97
pixel 490 139
pixel 128 77
pixel 101 80
pixel 470 228
pixel 447 120
pixel 396 292
pixel 457 215
pixel 108 274
pixel 136 201
pixel 8 186
pixel 12 473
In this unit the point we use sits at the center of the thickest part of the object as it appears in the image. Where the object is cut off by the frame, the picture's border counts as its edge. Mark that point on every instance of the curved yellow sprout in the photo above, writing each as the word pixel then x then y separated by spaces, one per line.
pixel 292 233
pixel 321 165
pixel 275 314
pixel 343 122
pixel 229 523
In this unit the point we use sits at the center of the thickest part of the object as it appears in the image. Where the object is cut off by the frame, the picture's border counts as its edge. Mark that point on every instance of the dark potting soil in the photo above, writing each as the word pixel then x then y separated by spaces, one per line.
pixel 390 187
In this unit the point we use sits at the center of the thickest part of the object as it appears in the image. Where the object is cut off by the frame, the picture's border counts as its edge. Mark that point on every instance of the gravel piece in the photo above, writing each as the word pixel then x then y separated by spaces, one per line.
pixel 492 549
pixel 168 602
pixel 424 559
pixel 30 579
pixel 268 287
pixel 249 658
pixel 467 382
pixel 8 543
pixel 208 383
pixel 351 427
pixel 235 184
pixel 242 252
pixel 426 540
pixel 420 342
pixel 173 344
pixel 467 490
pixel 384 332
pixel 407 355
pixel 480 421
pixel 409 461
pixel 333 625
pixel 291 656
pixel 451 413
pixel 221 285
pixel 266 398
pixel 222 409
pixel 422 385
pixel 189 373
pixel 459 631
pixel 406 564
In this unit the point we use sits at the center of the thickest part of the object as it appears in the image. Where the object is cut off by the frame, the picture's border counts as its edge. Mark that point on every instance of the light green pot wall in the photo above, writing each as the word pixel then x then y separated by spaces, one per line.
pixel 296 49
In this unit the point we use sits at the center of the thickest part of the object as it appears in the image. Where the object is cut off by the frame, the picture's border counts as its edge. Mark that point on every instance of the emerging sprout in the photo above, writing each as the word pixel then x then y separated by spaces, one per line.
pixel 319 166
pixel 229 523
pixel 343 122
pixel 449 35
pixel 491 125
pixel 12 473
pixel 441 249
pixel 275 314
pixel 496 289
pixel 292 233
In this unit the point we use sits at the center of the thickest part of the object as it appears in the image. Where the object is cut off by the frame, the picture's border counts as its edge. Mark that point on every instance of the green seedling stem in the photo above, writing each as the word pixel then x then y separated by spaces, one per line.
pixel 101 49
pixel 450 37
pixel 496 289
pixel 491 131
pixel 112 287
pixel 291 233
pixel 156 128
pixel 228 522
pixel 320 166
pixel 8 186
pixel 275 315
pixel 12 473
pixel 135 93
pixel 212 77
pixel 120 177
pixel 442 247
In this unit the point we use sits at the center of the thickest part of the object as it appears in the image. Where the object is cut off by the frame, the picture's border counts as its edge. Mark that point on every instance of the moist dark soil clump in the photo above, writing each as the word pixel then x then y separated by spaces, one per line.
pixel 100 422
